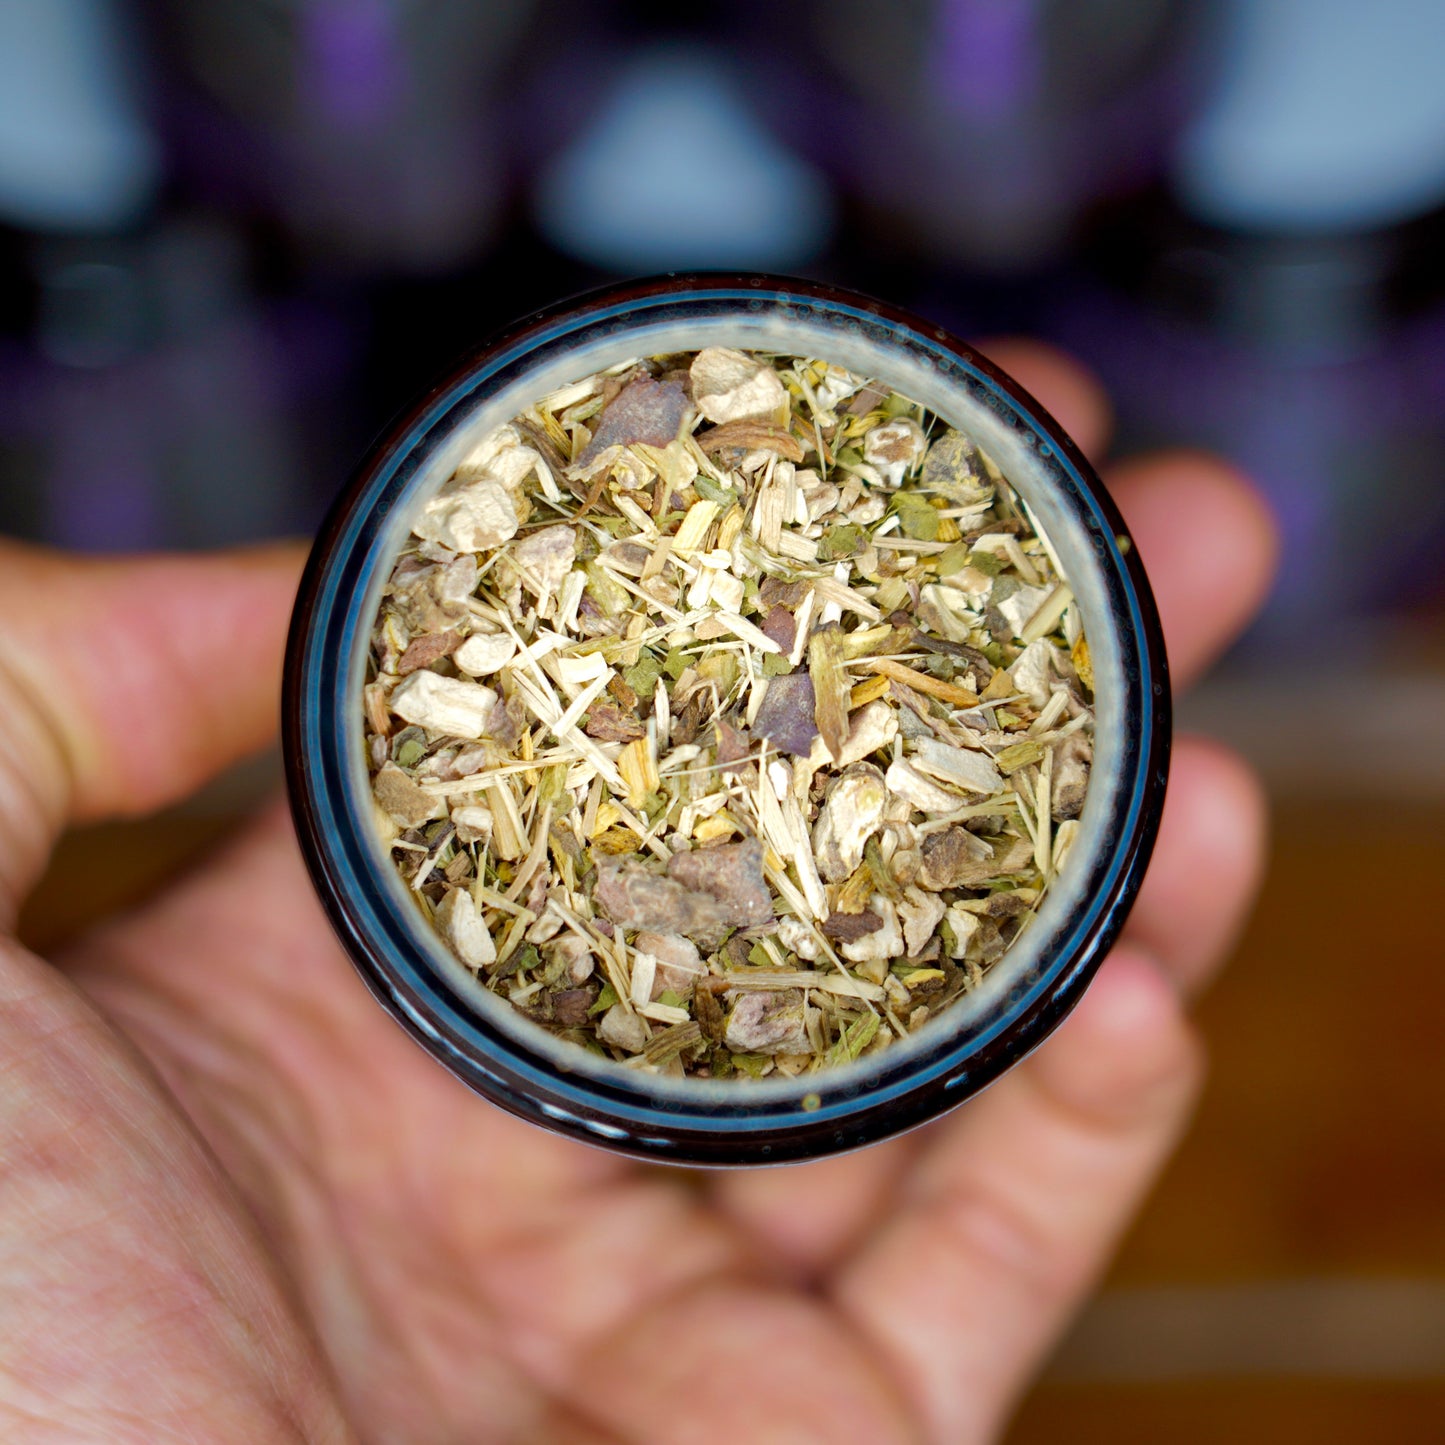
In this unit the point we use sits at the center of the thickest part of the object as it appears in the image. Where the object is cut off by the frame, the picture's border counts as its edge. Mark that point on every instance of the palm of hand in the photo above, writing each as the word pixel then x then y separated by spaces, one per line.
pixel 469 1277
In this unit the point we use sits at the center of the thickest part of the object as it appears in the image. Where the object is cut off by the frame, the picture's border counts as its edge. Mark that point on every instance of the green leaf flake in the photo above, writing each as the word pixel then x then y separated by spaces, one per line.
pixel 917 519
pixel 709 489
pixel 954 560
pixel 839 541
pixel 853 1040
pixel 642 677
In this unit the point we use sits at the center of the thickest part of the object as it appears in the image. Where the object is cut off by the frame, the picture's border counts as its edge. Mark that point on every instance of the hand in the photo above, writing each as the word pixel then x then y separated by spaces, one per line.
pixel 238 1204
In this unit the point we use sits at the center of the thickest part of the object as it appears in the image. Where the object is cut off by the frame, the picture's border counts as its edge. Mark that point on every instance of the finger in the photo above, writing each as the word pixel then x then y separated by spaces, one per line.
pixel 1209 544
pixel 1065 388
pixel 126 683
pixel 132 1283
pixel 805 1215
pixel 750 1362
pixel 1015 1207
pixel 1207 863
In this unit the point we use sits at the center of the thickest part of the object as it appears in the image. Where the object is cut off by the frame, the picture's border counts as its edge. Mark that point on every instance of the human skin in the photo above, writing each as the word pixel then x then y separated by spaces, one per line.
pixel 238 1204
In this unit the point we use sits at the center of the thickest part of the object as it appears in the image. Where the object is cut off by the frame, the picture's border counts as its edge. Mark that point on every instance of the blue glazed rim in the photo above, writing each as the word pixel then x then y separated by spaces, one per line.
pixel 741 1124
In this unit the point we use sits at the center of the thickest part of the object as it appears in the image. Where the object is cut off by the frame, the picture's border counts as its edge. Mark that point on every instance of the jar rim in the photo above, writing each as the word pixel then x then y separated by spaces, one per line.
pixel 512 1062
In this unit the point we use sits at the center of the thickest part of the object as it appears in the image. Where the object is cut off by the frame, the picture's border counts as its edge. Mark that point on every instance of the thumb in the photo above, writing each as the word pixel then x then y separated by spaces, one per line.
pixel 126 683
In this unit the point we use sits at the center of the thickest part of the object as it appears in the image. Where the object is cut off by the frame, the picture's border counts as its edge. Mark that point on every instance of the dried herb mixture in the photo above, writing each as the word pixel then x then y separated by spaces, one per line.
pixel 728 714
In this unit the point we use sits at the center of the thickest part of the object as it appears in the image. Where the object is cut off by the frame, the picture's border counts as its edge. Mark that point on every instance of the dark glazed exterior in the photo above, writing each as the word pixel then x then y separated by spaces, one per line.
pixel 613 1107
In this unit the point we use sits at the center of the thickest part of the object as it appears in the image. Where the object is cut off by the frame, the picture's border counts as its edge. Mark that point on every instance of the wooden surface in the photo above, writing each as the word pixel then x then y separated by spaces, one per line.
pixel 1313 1182
pixel 1287 1280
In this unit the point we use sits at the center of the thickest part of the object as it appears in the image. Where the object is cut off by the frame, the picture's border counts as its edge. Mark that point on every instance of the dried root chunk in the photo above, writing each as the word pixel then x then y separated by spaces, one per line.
pixel 725 714
pixel 470 516
pixel 464 930
pixel 960 859
pixel 1072 760
pixel 484 653
pixel 543 559
pixel 404 799
pixel 768 1023
pixel 733 875
pixel 732 386
pixel 893 448
pixel 851 815
pixel 878 944
pixel 623 1029
pixel 633 896
pixel 445 705
pixel 679 965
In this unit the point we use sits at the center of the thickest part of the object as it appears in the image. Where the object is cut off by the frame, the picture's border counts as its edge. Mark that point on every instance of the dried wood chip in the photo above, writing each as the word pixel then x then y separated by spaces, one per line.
pixel 830 688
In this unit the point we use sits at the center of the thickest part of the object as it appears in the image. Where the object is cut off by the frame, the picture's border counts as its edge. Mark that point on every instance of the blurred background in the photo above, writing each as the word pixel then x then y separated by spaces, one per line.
pixel 236 235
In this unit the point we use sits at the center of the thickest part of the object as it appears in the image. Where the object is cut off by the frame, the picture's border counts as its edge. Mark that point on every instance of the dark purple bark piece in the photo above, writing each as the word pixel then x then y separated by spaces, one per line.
pixel 569 1007
pixel 609 724
pixel 782 627
pixel 643 411
pixel 733 746
pixel 847 927
pixel 786 716
pixel 428 649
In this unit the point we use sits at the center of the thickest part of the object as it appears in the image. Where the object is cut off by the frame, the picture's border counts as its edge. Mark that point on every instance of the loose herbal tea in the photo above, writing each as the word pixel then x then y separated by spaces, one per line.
pixel 728 714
